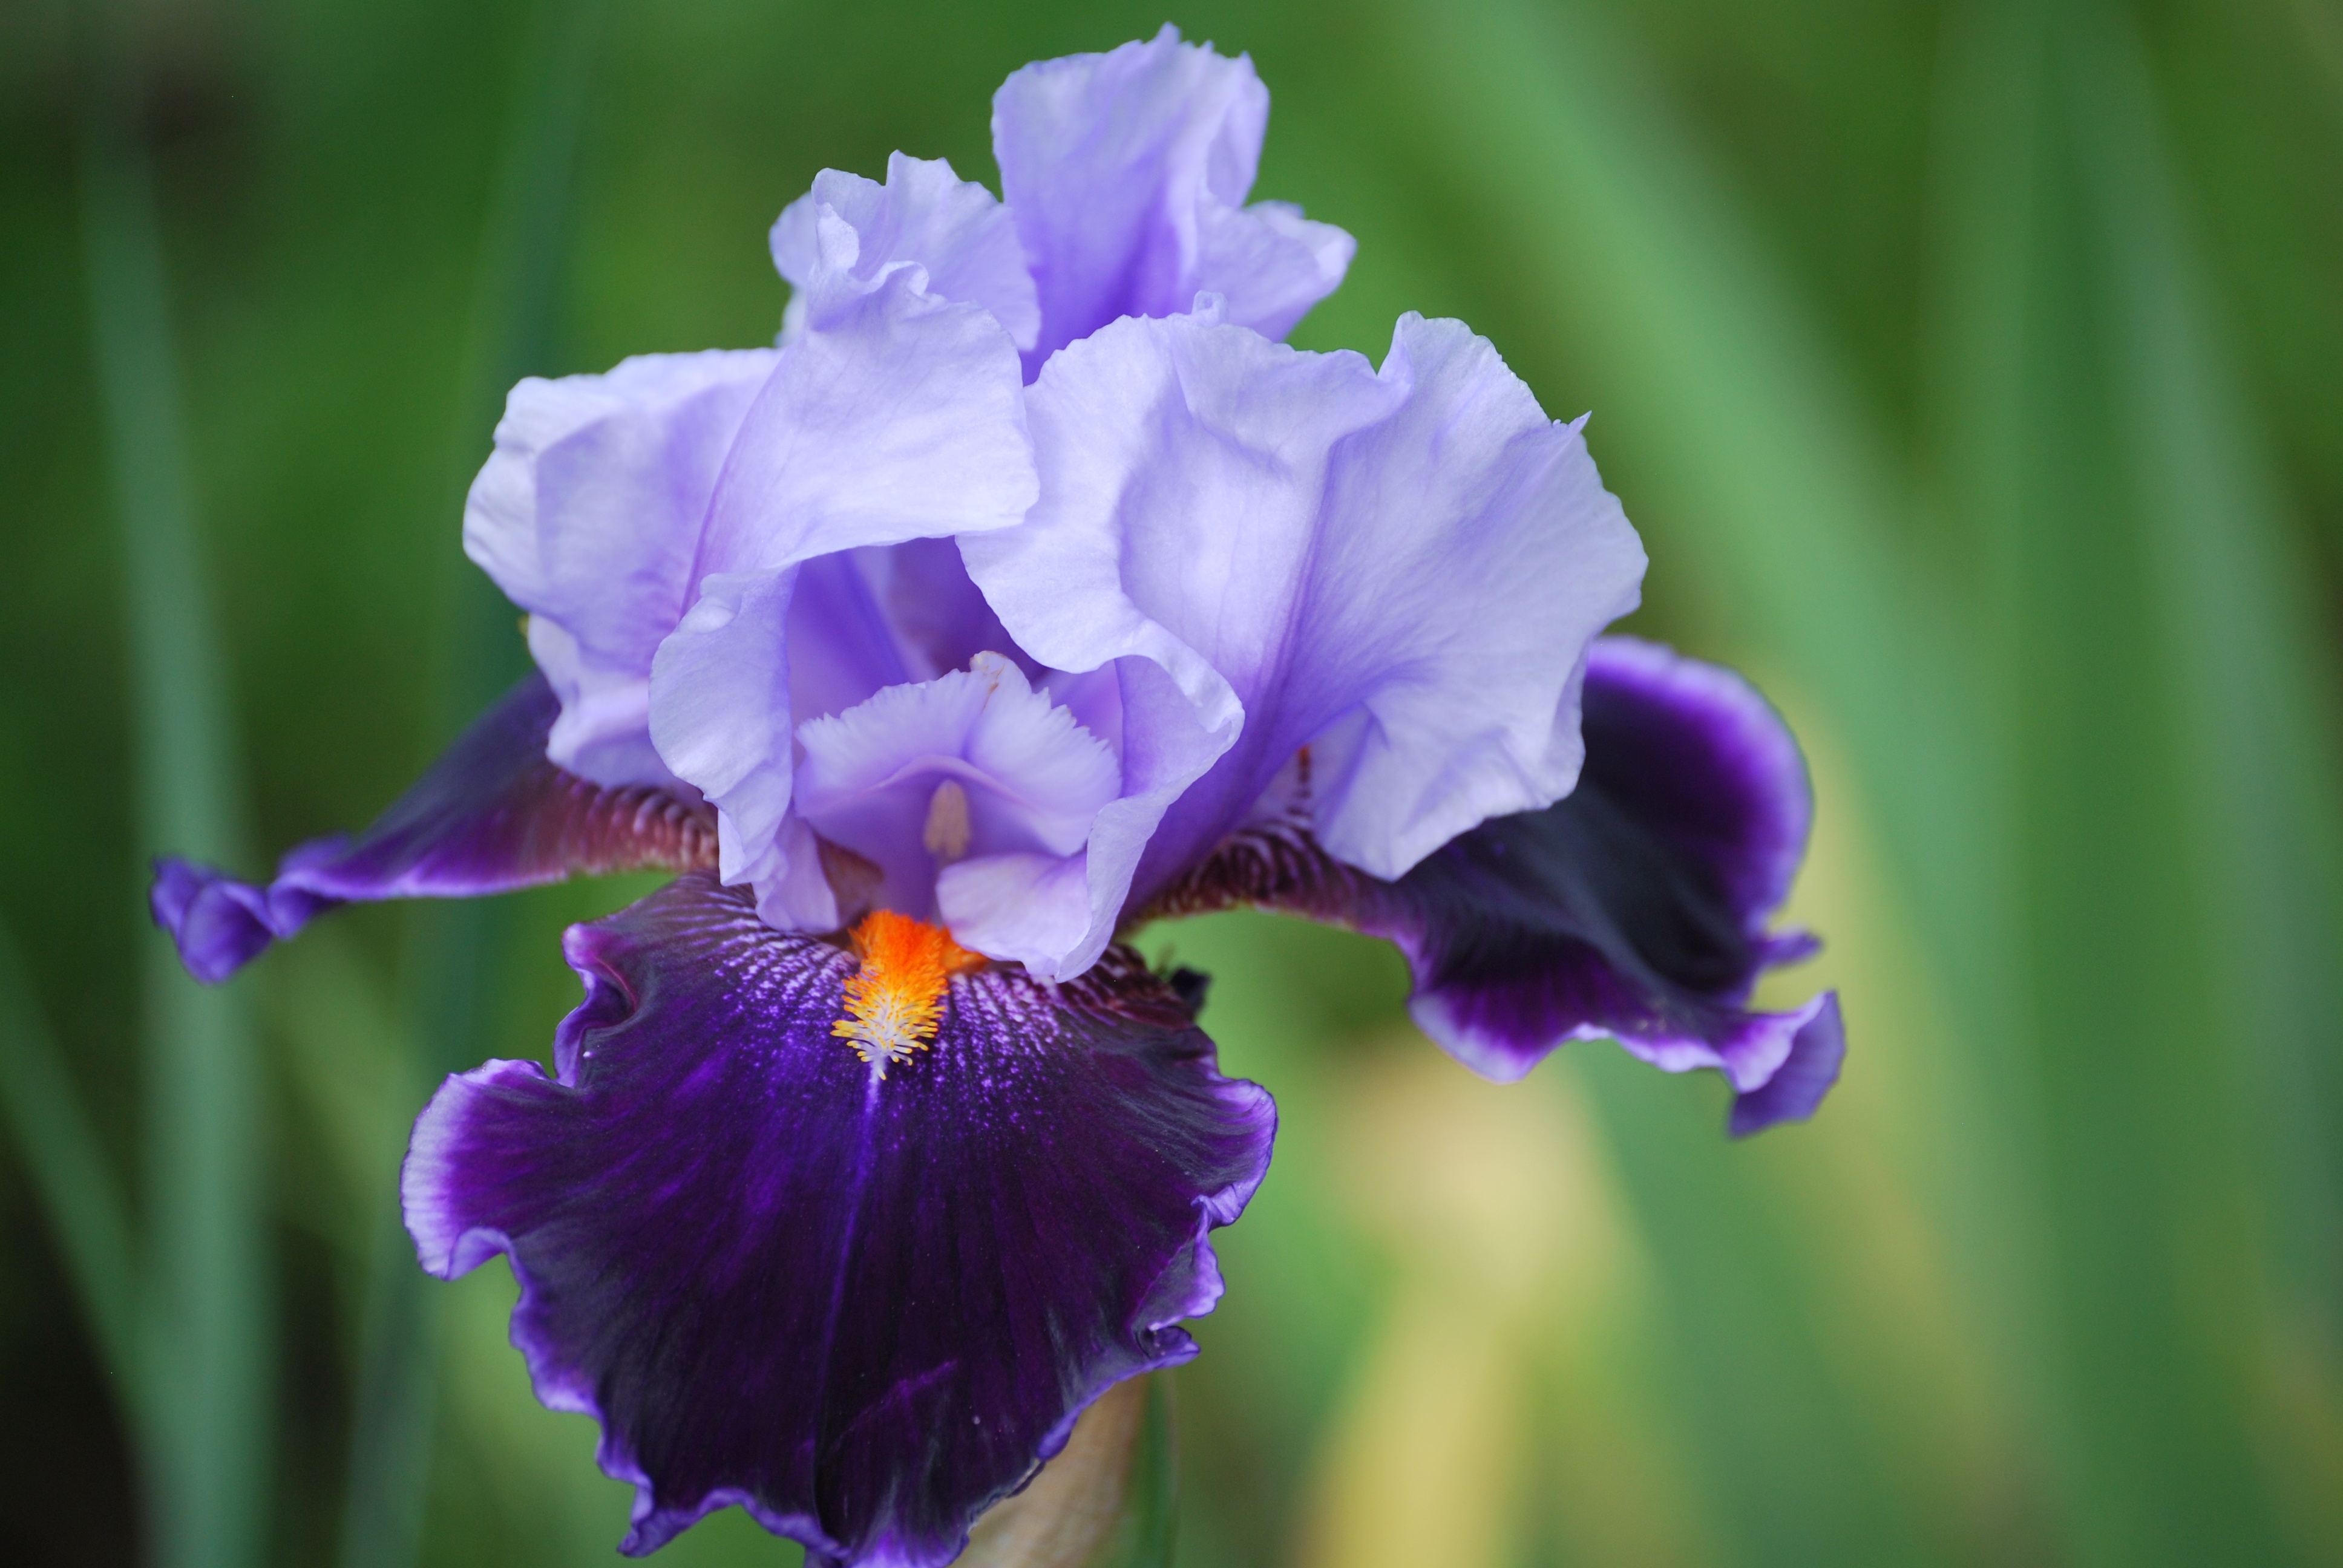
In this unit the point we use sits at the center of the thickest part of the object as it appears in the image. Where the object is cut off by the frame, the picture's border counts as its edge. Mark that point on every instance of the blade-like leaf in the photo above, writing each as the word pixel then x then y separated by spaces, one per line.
pixel 205 1359
pixel 61 1152
pixel 444 984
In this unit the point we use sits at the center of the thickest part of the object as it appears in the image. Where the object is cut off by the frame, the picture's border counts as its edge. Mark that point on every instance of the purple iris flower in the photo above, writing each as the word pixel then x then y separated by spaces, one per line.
pixel 1029 590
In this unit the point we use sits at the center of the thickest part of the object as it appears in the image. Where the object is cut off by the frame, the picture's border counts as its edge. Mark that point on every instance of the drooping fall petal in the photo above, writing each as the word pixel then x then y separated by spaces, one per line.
pixel 861 1298
pixel 493 814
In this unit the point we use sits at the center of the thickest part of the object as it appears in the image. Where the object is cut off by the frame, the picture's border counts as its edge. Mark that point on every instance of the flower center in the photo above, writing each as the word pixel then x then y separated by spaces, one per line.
pixel 895 1000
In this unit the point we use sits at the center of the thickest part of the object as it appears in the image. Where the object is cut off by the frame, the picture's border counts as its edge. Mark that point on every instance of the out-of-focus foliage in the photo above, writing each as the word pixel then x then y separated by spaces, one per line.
pixel 1971 370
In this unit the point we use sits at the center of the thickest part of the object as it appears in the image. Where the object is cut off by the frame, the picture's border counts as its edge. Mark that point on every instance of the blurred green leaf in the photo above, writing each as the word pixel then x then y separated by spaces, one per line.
pixel 206 1361
pixel 1143 1535
pixel 61 1152
pixel 2173 783
pixel 446 989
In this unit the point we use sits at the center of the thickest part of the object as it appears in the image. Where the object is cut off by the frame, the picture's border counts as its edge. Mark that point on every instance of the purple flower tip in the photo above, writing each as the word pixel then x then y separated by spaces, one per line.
pixel 219 924
pixel 1796 1089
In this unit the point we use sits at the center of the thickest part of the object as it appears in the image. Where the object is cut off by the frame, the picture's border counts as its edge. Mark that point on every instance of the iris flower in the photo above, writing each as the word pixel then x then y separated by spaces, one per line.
pixel 1029 590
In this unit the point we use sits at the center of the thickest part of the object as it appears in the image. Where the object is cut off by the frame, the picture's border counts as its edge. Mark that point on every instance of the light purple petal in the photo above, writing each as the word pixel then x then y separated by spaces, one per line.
pixel 966 769
pixel 1637 908
pixel 1055 915
pixel 894 416
pixel 883 616
pixel 862 1307
pixel 492 814
pixel 588 515
pixel 925 215
pixel 1128 173
pixel 720 715
pixel 1400 569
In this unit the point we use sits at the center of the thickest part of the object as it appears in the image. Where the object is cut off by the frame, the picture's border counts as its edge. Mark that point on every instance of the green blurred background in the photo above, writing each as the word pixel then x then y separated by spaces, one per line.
pixel 1975 372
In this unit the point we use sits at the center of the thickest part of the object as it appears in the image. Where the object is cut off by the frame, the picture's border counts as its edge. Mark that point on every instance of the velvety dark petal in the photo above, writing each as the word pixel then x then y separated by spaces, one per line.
pixel 1637 907
pixel 863 1308
pixel 1703 762
pixel 490 815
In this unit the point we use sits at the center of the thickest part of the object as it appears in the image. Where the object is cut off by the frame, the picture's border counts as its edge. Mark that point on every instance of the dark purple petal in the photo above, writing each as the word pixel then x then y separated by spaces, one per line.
pixel 862 1307
pixel 1702 760
pixel 491 815
pixel 1796 1090
pixel 1637 907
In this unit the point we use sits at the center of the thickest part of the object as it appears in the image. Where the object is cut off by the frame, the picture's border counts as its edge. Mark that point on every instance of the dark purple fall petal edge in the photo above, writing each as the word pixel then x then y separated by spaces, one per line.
pixel 491 815
pixel 1795 1091
pixel 1200 1264
pixel 1780 1064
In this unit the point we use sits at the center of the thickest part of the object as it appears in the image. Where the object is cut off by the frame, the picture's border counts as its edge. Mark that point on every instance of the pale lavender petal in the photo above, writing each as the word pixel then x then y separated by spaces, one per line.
pixel 589 514
pixel 895 416
pixel 936 611
pixel 720 715
pixel 883 616
pixel 1128 173
pixel 862 1307
pixel 1026 908
pixel 841 643
pixel 1399 569
pixel 492 814
pixel 971 770
pixel 924 214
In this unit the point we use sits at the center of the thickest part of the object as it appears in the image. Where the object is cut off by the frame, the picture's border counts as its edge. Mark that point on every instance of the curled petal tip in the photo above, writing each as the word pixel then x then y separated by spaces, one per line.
pixel 1796 1089
pixel 494 813
pixel 218 923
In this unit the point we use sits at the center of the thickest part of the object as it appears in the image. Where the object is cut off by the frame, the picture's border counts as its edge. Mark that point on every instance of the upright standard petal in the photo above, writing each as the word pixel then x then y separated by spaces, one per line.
pixel 925 215
pixel 894 416
pixel 589 514
pixel 863 1300
pixel 492 814
pixel 1128 173
pixel 1637 907
pixel 1399 569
